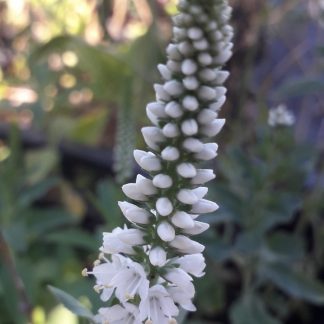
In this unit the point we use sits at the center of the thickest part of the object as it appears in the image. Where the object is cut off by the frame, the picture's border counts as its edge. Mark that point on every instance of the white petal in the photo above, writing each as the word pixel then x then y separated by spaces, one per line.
pixel 221 76
pixel 213 128
pixel 182 219
pixel 190 103
pixel 156 108
pixel 174 88
pixel 195 33
pixel 190 83
pixel 215 106
pixel 200 192
pixel 173 109
pixel 170 153
pixel 193 145
pixel 207 93
pixel 207 75
pixel 204 206
pixel 166 231
pixel 206 115
pixel 189 127
pixel 193 264
pixel 188 67
pixel 186 170
pixel 134 213
pixel 131 191
pixel 132 236
pixel 152 136
pixel 186 48
pixel 161 94
pixel 205 59
pixel 173 52
pixel 203 176
pixel 187 196
pixel 164 206
pixel 157 256
pixel 145 185
pixel 170 130
pixel 185 245
pixel 147 160
pixel 209 152
pixel 164 71
pixel 162 181
pixel 198 228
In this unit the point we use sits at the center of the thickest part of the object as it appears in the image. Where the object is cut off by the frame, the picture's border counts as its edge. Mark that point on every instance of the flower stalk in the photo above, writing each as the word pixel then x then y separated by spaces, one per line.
pixel 146 270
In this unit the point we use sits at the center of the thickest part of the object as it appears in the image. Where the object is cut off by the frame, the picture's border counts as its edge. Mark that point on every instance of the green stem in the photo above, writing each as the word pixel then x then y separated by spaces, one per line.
pixel 6 255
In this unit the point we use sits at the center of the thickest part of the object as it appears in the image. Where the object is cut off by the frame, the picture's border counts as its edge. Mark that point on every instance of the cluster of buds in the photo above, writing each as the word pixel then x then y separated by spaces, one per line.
pixel 280 116
pixel 145 271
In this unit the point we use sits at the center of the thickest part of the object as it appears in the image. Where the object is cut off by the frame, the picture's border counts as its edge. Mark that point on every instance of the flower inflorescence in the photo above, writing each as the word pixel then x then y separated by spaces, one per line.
pixel 145 271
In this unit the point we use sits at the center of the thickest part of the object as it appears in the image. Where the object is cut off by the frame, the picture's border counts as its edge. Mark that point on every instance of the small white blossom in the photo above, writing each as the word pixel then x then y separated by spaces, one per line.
pixel 166 232
pixel 117 314
pixel 158 256
pixel 170 153
pixel 164 206
pixel 204 206
pixel 162 181
pixel 173 109
pixel 185 245
pixel 280 116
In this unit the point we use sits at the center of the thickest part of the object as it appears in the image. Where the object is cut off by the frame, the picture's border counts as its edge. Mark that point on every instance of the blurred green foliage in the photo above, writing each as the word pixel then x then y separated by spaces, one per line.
pixel 265 248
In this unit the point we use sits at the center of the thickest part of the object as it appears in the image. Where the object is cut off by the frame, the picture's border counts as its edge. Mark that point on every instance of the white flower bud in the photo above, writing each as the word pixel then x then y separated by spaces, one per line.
pixel 201 44
pixel 186 48
pixel 170 130
pixel 190 103
pixel 186 170
pixel 162 181
pixel 221 91
pixel 189 127
pixel 187 196
pixel 179 33
pixel 173 52
pixel 164 206
pixel 193 264
pixel 158 256
pixel 205 59
pixel 204 206
pixel 173 66
pixel 195 33
pixel 213 128
pixel 209 152
pixel 173 109
pixel 215 106
pixel 203 176
pixel 170 153
pixel 215 36
pixel 166 232
pixel 212 25
pixel 131 191
pixel 223 57
pixel 152 136
pixel 200 192
pixel 190 83
pixel 206 115
pixel 174 88
pixel 164 71
pixel 147 160
pixel 132 236
pixel 188 67
pixel 145 185
pixel 193 145
pixel 161 94
pixel 153 118
pixel 199 227
pixel 221 76
pixel 182 219
pixel 207 93
pixel 195 10
pixel 185 245
pixel 207 75
pixel 156 108
pixel 134 213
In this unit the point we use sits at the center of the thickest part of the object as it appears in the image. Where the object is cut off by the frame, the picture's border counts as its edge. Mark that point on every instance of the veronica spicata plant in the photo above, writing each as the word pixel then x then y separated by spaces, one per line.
pixel 145 269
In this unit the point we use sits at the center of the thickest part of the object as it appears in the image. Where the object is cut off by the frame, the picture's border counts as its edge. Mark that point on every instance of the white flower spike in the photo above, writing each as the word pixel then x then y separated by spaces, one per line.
pixel 145 271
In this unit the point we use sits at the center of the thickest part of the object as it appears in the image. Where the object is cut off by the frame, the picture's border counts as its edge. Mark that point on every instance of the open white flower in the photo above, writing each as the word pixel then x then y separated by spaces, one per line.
pixel 117 314
pixel 158 307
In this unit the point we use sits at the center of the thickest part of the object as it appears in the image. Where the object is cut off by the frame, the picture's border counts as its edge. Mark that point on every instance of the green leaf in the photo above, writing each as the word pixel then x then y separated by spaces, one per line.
pixel 36 191
pixel 295 284
pixel 74 237
pixel 251 310
pixel 71 303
